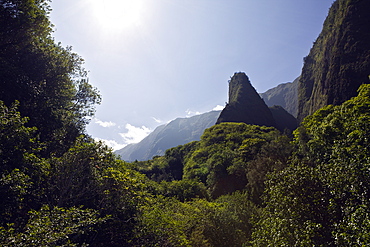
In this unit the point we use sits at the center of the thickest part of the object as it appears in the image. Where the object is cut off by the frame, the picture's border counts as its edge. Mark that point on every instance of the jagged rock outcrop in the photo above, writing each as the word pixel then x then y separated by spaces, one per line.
pixel 176 132
pixel 245 105
pixel 285 95
pixel 339 61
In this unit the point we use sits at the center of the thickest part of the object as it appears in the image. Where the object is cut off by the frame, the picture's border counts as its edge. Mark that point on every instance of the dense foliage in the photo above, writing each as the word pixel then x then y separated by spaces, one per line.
pixel 322 197
pixel 240 185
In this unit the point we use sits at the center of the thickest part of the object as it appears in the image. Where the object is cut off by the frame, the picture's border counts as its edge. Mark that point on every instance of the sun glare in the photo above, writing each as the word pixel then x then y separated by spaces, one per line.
pixel 117 14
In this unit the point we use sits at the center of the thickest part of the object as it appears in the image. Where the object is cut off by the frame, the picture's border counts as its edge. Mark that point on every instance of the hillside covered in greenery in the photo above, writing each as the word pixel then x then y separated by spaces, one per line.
pixel 240 185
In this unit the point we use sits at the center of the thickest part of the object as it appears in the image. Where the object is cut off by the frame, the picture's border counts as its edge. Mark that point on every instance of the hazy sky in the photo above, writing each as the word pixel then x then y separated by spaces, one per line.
pixel 156 60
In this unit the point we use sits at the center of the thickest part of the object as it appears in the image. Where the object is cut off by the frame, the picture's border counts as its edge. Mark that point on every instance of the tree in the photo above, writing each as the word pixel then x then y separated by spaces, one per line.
pixel 22 172
pixel 47 79
pixel 51 227
pixel 221 158
pixel 168 222
pixel 89 175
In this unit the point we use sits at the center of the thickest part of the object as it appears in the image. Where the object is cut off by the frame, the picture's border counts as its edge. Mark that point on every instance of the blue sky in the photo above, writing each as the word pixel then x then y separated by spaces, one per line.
pixel 156 60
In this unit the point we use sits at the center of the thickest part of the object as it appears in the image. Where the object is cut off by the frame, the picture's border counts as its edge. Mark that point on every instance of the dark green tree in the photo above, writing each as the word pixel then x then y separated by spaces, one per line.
pixel 221 158
pixel 169 222
pixel 44 77
pixel 51 227
pixel 89 175
pixel 22 172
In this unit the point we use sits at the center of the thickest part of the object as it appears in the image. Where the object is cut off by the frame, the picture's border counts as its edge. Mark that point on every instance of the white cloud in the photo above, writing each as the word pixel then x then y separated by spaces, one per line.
pixel 111 143
pixel 104 124
pixel 134 134
pixel 218 108
pixel 157 120
pixel 190 113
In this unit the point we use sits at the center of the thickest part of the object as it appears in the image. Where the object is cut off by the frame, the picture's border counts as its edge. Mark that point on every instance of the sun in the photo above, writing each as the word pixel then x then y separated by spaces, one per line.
pixel 117 14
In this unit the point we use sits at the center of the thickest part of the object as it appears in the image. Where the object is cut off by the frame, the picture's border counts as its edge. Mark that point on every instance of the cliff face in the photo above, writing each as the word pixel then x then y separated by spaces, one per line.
pixel 245 105
pixel 339 61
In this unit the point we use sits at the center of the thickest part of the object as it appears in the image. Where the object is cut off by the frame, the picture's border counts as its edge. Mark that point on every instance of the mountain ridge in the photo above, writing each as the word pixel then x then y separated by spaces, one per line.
pixel 177 132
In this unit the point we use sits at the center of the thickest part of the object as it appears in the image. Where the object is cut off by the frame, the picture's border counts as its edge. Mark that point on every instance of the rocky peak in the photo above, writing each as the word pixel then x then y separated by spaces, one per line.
pixel 245 105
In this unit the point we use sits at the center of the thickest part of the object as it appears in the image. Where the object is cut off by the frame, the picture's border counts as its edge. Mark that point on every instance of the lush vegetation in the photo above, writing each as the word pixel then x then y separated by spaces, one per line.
pixel 240 185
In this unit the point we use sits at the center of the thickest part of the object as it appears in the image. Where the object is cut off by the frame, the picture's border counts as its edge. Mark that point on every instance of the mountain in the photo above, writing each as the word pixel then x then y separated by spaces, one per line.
pixel 177 132
pixel 285 95
pixel 245 105
pixel 339 61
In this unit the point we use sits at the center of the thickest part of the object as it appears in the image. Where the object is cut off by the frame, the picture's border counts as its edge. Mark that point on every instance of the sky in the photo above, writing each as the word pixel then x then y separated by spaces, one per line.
pixel 156 60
